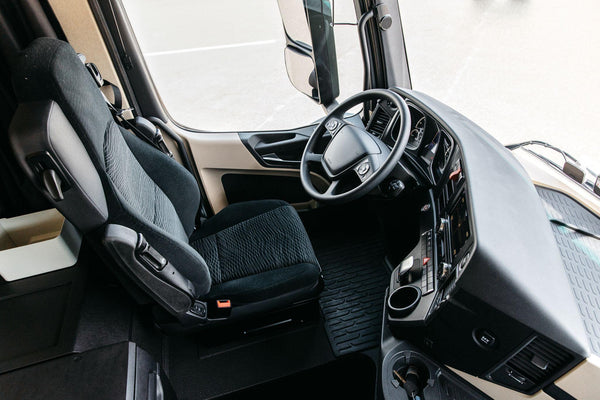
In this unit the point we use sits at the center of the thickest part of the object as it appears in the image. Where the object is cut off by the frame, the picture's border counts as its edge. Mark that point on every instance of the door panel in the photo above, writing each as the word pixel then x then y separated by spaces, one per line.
pixel 219 154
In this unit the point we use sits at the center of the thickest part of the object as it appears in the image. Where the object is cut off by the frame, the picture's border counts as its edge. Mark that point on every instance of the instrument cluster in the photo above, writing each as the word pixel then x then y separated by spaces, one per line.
pixel 429 146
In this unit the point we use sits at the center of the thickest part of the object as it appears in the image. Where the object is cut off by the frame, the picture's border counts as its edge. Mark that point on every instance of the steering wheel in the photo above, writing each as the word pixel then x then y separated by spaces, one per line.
pixel 353 155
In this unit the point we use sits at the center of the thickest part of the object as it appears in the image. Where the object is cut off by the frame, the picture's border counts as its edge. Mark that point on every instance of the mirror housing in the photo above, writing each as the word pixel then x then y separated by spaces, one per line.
pixel 310 56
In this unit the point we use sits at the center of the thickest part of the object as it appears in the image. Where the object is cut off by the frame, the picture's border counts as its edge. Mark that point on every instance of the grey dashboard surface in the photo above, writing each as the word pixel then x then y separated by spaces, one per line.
pixel 516 267
pixel 580 254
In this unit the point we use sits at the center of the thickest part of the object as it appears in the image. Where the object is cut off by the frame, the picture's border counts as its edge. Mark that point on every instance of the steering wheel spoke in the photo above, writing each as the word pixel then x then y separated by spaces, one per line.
pixel 313 157
pixel 332 189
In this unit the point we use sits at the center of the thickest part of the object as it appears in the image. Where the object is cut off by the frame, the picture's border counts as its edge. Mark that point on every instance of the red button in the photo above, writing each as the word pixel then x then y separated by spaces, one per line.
pixel 426 260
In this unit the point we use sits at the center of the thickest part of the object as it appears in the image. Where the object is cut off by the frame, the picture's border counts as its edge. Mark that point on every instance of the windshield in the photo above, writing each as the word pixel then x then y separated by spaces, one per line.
pixel 219 66
pixel 522 70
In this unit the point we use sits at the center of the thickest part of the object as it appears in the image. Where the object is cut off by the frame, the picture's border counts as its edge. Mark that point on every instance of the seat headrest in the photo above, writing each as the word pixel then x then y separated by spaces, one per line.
pixel 49 69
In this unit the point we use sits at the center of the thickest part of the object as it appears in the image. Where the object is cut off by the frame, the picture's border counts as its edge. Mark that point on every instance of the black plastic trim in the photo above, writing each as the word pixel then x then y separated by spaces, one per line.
pixel 274 141
pixel 557 393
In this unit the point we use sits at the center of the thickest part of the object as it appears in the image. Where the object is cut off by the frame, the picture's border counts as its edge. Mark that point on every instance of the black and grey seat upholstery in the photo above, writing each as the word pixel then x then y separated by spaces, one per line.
pixel 256 250
pixel 257 254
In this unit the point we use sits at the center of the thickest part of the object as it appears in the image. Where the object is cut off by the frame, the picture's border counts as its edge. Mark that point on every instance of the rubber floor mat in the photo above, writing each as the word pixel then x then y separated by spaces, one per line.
pixel 355 282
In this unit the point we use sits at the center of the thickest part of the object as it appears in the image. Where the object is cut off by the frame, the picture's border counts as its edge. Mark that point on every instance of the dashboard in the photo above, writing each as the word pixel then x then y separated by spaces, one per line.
pixel 484 290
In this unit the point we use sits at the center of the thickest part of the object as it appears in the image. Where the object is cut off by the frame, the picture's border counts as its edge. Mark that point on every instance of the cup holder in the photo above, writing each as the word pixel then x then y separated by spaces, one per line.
pixel 403 301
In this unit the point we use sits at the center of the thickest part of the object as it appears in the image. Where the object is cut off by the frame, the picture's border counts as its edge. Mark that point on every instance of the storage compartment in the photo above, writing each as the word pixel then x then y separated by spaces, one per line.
pixel 247 187
pixel 38 317
pixel 37 243
pixel 119 371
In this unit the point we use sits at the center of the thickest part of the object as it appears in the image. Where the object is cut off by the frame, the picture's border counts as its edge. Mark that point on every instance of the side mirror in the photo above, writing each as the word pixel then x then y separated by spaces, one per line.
pixel 310 56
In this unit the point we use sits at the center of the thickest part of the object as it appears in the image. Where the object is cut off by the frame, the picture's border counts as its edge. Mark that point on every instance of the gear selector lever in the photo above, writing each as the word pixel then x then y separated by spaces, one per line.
pixel 410 382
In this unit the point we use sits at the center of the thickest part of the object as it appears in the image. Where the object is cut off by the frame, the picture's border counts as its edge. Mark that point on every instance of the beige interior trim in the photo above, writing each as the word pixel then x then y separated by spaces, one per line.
pixel 498 392
pixel 543 175
pixel 36 243
pixel 216 154
pixel 581 382
pixel 82 32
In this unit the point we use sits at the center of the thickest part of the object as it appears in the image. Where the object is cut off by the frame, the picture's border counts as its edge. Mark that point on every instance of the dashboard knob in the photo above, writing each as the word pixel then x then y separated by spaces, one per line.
pixel 455 175
pixel 444 223
pixel 445 269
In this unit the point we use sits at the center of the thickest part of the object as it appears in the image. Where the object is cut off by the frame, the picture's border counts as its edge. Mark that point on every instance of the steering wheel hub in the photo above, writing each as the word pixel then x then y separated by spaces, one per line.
pixel 350 145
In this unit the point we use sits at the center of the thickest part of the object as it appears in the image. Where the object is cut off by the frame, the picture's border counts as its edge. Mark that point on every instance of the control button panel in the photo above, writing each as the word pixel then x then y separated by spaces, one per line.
pixel 405 266
pixel 427 279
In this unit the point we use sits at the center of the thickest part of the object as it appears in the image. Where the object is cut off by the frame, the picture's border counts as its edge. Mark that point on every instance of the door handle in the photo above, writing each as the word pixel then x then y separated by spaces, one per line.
pixel 275 159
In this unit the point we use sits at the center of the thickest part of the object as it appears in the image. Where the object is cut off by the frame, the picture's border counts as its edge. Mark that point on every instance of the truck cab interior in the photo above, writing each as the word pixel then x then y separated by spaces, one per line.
pixel 391 249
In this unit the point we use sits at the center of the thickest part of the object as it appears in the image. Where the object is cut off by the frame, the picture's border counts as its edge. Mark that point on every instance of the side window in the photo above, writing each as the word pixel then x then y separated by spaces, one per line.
pixel 219 66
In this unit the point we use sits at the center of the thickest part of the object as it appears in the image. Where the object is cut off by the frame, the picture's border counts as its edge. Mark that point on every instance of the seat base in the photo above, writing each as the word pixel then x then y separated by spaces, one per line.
pixel 239 324
pixel 259 256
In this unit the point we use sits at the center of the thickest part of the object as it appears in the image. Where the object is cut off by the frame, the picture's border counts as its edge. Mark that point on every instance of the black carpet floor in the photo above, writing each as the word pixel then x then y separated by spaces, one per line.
pixel 355 281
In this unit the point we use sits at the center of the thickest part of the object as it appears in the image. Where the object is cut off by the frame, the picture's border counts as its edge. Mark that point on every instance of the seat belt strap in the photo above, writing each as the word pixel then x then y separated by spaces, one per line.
pixel 140 126
pixel 101 82
pixel 117 97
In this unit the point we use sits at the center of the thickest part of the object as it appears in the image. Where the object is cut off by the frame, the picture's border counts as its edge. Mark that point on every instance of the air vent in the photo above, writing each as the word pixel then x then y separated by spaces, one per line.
pixel 539 360
pixel 535 365
pixel 379 121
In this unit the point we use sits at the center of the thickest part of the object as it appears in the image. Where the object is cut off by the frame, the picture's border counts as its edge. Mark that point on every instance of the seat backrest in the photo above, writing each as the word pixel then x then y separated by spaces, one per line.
pixel 113 176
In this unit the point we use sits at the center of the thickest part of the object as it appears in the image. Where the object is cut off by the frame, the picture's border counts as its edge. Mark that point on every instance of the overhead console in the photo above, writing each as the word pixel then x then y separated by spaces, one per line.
pixel 485 290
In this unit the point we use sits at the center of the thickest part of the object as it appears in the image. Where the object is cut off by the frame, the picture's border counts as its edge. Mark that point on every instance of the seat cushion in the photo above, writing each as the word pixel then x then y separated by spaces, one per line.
pixel 257 251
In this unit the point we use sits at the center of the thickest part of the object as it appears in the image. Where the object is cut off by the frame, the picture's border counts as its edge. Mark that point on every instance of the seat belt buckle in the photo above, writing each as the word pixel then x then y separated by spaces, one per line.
pixel 220 309
pixel 223 304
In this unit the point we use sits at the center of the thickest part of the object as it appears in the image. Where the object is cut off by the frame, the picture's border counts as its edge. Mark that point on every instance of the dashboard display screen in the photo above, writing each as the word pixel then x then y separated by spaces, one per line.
pixel 459 225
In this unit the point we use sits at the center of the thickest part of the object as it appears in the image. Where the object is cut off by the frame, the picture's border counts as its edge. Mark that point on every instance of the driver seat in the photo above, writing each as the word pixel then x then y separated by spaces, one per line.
pixel 253 257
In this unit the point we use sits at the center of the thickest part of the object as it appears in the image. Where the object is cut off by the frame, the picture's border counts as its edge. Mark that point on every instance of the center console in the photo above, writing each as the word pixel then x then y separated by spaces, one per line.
pixel 419 286
pixel 427 276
